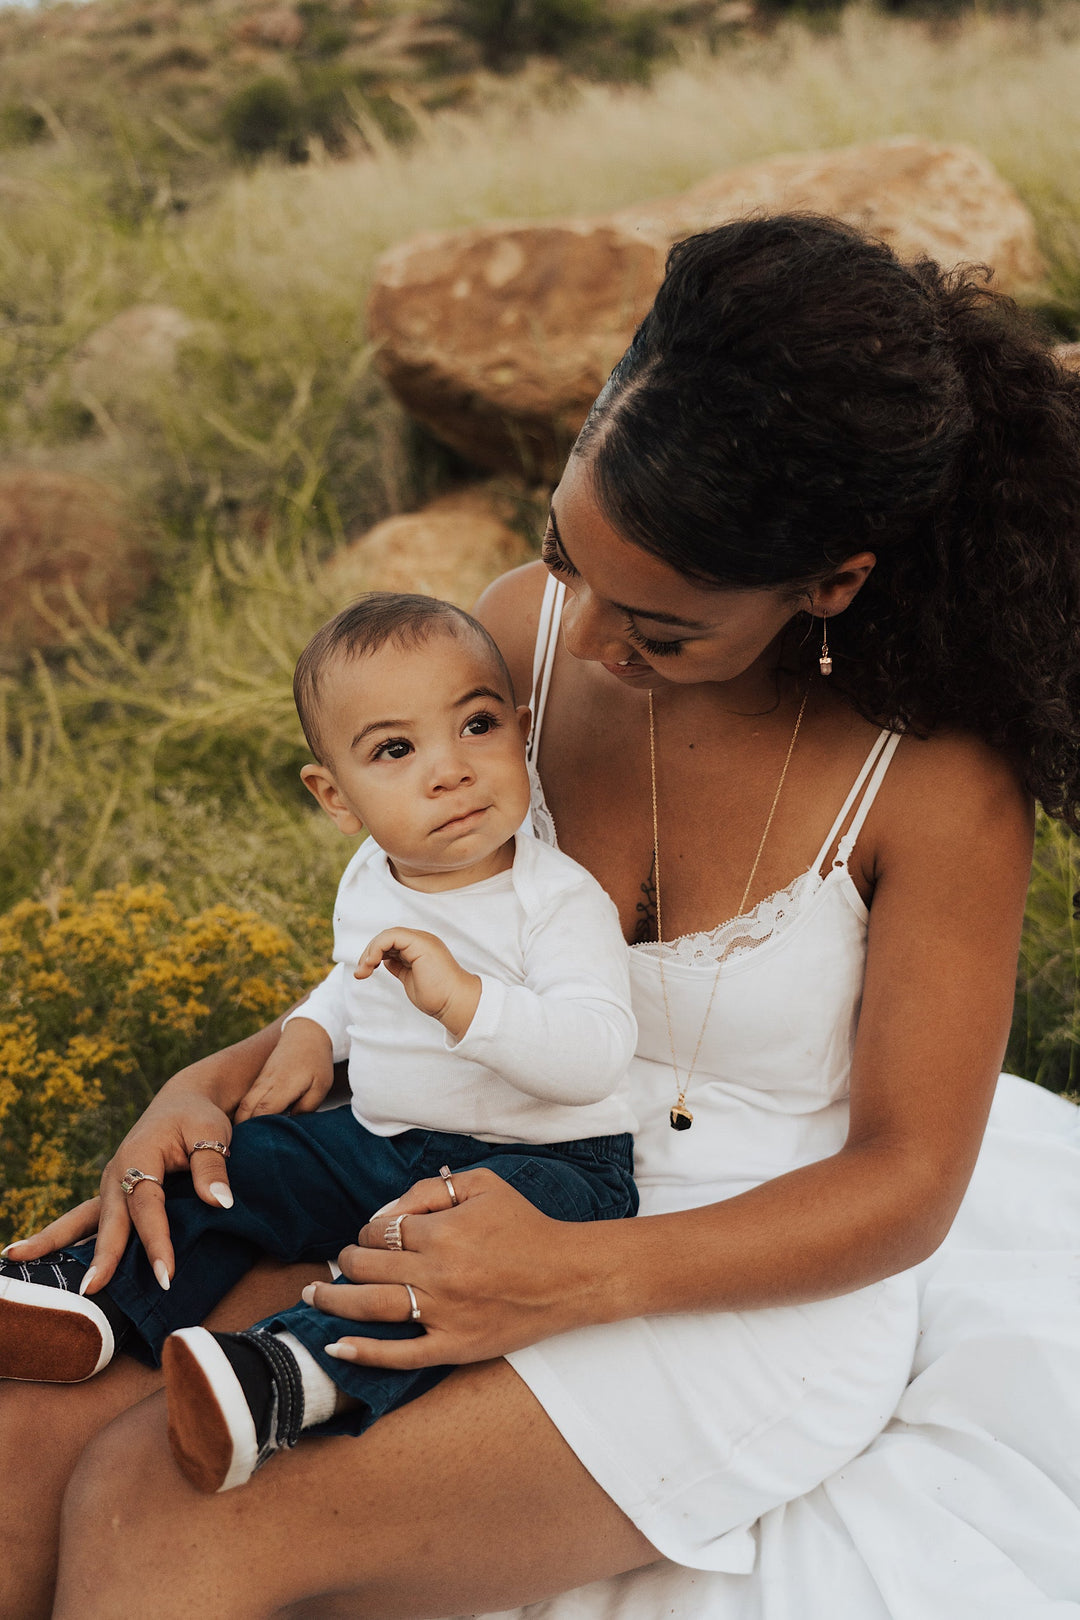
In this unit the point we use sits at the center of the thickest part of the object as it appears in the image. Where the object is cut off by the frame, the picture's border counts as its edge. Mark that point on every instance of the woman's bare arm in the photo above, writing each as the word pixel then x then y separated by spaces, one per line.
pixel 952 873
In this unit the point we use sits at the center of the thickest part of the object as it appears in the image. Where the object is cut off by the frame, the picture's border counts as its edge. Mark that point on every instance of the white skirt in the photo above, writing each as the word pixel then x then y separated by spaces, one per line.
pixel 780 1464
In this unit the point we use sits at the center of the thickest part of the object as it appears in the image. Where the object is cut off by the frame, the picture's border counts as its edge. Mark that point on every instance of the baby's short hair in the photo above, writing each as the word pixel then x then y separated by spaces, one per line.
pixel 368 624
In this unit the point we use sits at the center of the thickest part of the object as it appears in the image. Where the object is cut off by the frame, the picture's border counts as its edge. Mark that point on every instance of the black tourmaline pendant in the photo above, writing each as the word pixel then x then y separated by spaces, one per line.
pixel 681 1118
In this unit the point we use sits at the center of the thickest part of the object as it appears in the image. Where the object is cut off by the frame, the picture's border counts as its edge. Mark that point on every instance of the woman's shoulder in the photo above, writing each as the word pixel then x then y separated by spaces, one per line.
pixel 953 790
pixel 510 610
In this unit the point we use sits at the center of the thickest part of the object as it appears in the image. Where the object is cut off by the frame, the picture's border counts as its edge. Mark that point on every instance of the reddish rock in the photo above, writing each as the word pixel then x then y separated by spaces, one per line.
pixel 279 26
pixel 922 197
pixel 63 535
pixel 452 548
pixel 499 338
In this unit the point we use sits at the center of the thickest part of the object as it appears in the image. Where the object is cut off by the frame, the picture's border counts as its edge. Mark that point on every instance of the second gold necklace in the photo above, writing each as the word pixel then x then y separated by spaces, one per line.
pixel 680 1116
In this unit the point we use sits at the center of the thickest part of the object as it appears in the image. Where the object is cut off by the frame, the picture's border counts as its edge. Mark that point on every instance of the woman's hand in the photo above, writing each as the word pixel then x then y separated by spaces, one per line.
pixel 490 1276
pixel 194 1106
pixel 159 1142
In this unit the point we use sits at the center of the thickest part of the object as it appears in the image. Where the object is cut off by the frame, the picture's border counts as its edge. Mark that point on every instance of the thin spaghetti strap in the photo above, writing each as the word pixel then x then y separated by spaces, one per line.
pixel 547 643
pixel 871 760
pixel 847 843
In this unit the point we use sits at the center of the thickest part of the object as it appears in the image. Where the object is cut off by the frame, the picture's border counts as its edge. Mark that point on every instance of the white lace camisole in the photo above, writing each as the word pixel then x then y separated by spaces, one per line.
pixel 770 1089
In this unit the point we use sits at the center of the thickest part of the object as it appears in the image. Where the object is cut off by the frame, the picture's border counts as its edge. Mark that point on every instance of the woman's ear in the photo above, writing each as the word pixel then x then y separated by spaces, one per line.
pixel 840 588
pixel 322 787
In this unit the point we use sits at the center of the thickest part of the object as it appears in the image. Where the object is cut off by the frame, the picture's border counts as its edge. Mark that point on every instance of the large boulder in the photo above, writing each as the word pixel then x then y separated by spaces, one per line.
pixel 452 548
pixel 69 547
pixel 499 337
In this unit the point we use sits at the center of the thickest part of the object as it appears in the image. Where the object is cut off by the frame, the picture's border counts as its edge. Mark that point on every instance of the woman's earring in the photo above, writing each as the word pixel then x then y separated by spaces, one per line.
pixel 825 661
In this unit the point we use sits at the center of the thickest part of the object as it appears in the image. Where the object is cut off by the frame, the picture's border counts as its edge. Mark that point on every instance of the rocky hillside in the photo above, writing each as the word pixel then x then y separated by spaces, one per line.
pixel 176 88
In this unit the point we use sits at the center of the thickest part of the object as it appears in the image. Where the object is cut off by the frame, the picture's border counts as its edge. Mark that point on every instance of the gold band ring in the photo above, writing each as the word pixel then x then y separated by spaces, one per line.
pixel 444 1171
pixel 392 1233
pixel 131 1178
pixel 414 1308
pixel 211 1147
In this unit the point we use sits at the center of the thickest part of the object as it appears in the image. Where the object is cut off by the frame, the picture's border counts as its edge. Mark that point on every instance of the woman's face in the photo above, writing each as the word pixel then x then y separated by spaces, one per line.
pixel 646 624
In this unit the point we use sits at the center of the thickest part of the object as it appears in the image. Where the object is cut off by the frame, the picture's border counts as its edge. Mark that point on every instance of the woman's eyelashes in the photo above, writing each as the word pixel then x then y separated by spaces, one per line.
pixel 655 649
pixel 553 558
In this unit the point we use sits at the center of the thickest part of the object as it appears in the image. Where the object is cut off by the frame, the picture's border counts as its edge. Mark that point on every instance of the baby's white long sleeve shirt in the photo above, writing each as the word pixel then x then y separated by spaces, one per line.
pixel 546 1054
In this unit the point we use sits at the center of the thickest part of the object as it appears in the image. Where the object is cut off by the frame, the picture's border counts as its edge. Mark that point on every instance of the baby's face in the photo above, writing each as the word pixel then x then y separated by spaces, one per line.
pixel 425 749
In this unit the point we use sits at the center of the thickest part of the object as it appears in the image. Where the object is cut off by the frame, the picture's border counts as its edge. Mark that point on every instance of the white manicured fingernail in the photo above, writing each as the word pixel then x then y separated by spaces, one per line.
pixel 161 1272
pixel 341 1351
pixel 88 1279
pixel 308 1294
pixel 223 1193
pixel 385 1208
pixel 6 1251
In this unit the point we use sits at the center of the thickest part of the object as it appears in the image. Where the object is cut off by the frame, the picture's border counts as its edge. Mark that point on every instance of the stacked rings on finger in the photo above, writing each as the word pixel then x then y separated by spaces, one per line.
pixel 131 1178
pixel 444 1171
pixel 392 1234
pixel 211 1147
pixel 414 1308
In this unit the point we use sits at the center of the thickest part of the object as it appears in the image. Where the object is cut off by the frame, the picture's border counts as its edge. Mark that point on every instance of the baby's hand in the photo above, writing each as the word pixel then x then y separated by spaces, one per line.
pixel 433 979
pixel 296 1076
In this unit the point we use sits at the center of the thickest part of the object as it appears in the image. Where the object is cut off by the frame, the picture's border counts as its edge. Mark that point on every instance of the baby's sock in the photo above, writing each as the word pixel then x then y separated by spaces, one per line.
pixel 320 1391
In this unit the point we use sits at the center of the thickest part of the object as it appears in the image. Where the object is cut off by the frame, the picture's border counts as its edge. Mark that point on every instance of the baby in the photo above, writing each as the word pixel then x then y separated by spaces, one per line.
pixel 481 997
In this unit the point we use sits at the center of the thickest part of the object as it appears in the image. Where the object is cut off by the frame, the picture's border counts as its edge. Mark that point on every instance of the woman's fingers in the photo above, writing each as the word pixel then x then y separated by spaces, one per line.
pixel 146 1206
pixel 66 1229
pixel 429 1350
pixel 423 1198
pixel 209 1172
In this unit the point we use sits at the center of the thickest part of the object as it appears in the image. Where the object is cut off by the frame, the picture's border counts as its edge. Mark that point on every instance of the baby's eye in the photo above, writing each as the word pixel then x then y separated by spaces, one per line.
pixel 478 725
pixel 395 748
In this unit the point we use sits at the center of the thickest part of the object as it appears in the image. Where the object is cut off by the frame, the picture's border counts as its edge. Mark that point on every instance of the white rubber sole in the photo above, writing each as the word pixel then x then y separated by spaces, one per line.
pixel 211 1430
pixel 51 1336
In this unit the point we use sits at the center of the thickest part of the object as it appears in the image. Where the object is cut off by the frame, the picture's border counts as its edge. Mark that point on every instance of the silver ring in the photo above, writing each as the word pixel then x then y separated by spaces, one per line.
pixel 131 1178
pixel 392 1234
pixel 414 1309
pixel 444 1171
pixel 211 1147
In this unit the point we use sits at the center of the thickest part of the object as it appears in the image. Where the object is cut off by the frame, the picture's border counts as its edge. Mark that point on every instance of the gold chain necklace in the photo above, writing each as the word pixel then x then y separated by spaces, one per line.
pixel 680 1116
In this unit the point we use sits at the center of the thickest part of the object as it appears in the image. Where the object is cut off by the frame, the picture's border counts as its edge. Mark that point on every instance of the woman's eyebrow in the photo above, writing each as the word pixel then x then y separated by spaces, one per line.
pixel 633 612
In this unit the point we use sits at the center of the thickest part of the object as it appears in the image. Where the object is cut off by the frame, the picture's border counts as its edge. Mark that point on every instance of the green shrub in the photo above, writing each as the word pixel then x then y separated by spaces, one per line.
pixel 264 117
pixel 100 1001
pixel 1044 1044
pixel 21 125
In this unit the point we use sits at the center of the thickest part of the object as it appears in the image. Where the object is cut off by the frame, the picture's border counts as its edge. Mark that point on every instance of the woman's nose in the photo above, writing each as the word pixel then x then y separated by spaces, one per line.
pixel 592 631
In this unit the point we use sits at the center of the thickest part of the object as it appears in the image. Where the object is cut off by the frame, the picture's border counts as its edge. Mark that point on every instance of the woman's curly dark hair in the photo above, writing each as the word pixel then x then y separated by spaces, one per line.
pixel 796 395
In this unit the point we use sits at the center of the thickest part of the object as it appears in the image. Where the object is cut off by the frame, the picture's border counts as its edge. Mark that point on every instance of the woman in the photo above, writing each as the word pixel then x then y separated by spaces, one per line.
pixel 823 500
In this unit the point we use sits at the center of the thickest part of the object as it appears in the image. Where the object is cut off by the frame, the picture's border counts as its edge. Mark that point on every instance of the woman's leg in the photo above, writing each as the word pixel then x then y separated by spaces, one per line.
pixel 44 1427
pixel 466 1499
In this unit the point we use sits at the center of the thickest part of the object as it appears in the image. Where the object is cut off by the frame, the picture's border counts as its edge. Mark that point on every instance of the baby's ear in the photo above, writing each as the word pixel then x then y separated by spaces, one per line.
pixel 322 787
pixel 524 720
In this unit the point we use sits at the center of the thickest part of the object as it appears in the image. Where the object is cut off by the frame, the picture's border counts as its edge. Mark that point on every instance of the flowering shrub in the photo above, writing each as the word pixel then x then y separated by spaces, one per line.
pixel 100 1001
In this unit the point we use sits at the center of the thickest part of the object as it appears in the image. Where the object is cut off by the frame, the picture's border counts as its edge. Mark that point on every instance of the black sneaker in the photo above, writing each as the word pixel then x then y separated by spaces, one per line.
pixel 48 1332
pixel 234 1399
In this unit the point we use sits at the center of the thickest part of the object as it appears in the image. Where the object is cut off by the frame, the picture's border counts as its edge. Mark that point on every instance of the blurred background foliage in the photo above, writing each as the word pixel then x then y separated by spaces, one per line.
pixel 245 168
